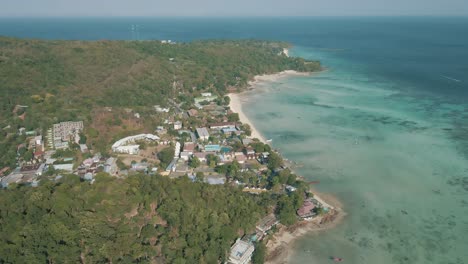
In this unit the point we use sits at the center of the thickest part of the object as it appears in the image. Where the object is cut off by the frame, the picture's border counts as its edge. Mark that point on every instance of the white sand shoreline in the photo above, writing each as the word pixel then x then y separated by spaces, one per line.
pixel 236 98
pixel 282 242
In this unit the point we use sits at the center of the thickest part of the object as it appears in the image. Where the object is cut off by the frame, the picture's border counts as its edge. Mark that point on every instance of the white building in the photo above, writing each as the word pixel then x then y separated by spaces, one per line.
pixel 185 155
pixel 206 94
pixel 177 125
pixel 160 109
pixel 125 145
pixel 64 167
pixel 203 133
pixel 177 150
pixel 241 252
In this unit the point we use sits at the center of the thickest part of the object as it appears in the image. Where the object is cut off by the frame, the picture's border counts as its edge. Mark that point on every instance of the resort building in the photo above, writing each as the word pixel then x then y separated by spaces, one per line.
pixel 125 145
pixel 64 132
pixel 203 133
pixel 241 252
pixel 307 210
pixel 222 125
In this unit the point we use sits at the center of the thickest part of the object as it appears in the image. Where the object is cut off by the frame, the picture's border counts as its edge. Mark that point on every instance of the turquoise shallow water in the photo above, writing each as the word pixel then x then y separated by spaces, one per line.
pixel 389 156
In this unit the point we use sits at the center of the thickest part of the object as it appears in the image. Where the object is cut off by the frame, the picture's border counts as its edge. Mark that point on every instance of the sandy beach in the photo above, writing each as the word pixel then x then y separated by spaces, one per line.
pixel 237 99
pixel 282 242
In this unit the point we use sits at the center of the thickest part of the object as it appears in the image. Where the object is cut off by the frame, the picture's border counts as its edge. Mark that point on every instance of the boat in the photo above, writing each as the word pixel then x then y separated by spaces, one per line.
pixel 337 259
pixel 269 140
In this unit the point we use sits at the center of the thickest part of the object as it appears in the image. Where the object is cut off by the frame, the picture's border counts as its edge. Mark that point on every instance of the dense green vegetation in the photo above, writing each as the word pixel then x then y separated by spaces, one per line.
pixel 141 219
pixel 67 80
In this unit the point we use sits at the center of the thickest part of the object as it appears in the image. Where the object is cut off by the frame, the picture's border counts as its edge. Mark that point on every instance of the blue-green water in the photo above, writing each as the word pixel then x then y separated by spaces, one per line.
pixel 385 129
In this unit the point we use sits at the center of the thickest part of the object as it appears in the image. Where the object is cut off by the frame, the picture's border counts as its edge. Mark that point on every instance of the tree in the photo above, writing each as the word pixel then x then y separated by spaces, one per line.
pixel 82 138
pixel 233 117
pixel 166 156
pixel 227 100
pixel 274 161
pixel 28 155
pixel 212 160
pixel 194 162
pixel 200 177
pixel 286 211
pixel 258 256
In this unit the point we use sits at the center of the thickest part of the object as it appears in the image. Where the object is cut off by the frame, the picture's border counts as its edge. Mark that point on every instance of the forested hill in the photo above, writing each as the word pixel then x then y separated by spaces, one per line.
pixel 63 80
pixel 142 219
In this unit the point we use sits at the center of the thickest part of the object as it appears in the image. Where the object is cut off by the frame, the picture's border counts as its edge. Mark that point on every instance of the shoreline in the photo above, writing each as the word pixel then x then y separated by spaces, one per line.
pixel 282 242
pixel 235 103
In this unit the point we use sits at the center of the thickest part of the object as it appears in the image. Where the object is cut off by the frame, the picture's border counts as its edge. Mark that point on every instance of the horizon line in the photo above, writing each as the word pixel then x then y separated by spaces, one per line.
pixel 240 16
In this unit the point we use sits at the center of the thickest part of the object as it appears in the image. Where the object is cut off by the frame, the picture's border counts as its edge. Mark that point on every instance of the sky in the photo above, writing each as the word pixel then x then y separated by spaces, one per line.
pixel 9 8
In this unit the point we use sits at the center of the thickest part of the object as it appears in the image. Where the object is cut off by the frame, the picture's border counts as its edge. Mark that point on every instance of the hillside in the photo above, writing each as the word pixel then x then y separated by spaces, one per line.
pixel 74 80
pixel 141 219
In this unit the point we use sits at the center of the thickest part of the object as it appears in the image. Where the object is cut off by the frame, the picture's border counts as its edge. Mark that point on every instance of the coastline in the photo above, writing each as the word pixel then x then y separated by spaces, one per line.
pixel 282 242
pixel 236 99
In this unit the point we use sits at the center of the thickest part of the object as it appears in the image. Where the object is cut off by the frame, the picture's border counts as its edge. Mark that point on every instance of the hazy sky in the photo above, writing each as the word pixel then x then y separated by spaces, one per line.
pixel 231 7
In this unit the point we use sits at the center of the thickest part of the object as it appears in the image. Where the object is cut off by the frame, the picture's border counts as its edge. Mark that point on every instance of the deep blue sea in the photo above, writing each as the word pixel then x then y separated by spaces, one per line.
pixel 384 129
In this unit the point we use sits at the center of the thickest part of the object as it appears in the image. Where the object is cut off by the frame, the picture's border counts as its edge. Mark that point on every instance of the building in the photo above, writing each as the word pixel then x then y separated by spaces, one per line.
pixel 177 125
pixel 241 252
pixel 189 147
pixel 223 125
pixel 265 224
pixel 159 109
pixel 66 131
pixel 240 157
pixel 185 155
pixel 64 167
pixel 177 150
pixel 229 130
pixel 307 210
pixel 192 112
pixel 125 145
pixel 203 133
pixel 202 155
pixel 130 149
pixel 206 94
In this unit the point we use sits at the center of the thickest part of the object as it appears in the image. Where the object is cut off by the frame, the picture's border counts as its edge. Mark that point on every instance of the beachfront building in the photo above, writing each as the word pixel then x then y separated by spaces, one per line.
pixel 126 146
pixel 241 252
pixel 203 133
pixel 307 210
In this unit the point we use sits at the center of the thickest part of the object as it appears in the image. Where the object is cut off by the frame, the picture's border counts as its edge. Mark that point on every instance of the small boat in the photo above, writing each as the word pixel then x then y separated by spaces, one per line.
pixel 337 259
pixel 269 140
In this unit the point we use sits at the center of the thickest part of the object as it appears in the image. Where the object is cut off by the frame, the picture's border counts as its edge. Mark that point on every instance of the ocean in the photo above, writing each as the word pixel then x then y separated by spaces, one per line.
pixel 384 129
